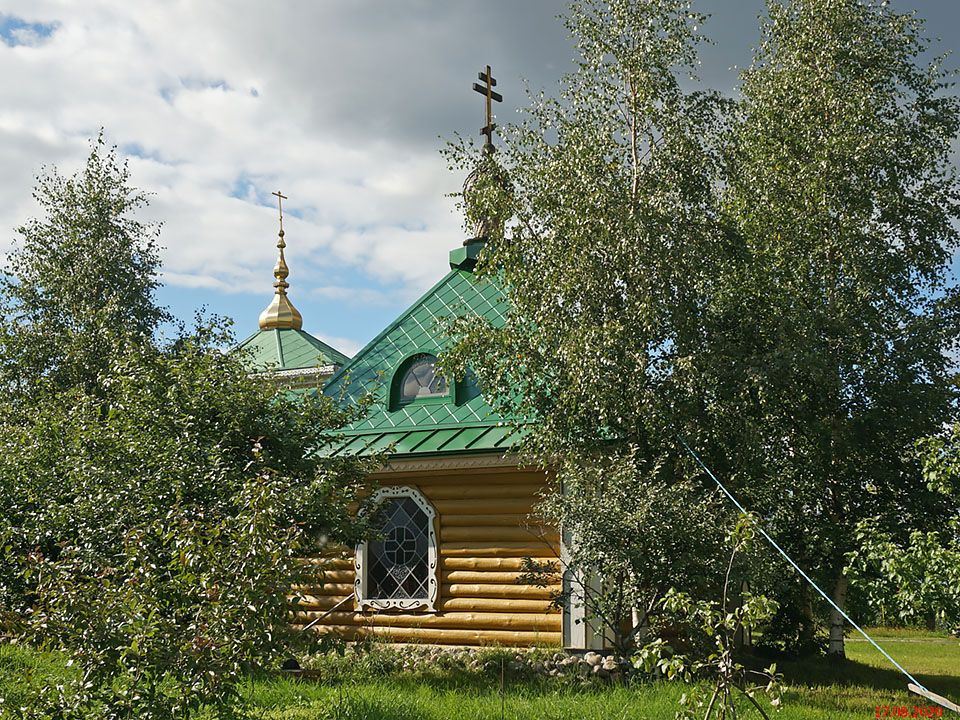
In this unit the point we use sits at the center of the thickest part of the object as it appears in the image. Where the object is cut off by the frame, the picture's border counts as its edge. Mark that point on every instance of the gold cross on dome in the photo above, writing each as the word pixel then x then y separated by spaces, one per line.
pixel 489 82
pixel 280 198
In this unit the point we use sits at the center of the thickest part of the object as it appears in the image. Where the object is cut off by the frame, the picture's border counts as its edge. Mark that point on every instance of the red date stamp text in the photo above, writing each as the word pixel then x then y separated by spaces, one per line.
pixel 907 711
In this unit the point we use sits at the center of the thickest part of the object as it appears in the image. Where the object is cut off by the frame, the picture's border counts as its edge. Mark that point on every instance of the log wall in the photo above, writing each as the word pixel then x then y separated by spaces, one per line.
pixel 483 534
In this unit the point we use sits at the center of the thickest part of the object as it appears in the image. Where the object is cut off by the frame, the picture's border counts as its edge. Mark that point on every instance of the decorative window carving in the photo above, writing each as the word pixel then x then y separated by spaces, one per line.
pixel 398 569
pixel 420 380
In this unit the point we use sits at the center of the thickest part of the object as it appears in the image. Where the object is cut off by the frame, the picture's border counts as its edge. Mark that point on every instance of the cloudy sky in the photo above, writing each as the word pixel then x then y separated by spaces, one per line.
pixel 343 104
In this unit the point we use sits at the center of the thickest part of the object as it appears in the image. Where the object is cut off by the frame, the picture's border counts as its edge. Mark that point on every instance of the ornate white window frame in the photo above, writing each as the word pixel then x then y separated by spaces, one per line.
pixel 360 592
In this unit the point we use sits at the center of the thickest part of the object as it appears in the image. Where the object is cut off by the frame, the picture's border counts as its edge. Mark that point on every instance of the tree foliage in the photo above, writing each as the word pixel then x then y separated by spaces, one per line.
pixel 154 497
pixel 613 228
pixel 156 526
pixel 83 269
pixel 914 577
pixel 735 689
pixel 842 190
pixel 767 277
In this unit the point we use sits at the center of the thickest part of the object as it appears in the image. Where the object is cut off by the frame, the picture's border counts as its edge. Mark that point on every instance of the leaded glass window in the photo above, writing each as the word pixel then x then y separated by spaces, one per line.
pixel 421 380
pixel 398 568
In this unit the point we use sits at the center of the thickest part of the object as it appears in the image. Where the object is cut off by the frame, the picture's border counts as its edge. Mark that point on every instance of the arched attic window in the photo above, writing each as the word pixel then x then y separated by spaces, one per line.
pixel 398 570
pixel 417 379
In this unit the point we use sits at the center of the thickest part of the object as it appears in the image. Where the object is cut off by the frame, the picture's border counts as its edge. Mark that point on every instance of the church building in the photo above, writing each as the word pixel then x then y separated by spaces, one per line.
pixel 446 567
pixel 281 352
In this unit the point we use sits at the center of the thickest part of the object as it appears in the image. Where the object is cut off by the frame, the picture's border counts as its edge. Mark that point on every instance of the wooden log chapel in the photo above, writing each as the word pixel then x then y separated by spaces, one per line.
pixel 445 568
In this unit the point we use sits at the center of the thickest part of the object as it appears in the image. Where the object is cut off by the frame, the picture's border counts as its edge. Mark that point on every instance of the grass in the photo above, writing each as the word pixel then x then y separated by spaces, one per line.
pixel 854 688
pixel 24 671
pixel 398 699
pixel 818 689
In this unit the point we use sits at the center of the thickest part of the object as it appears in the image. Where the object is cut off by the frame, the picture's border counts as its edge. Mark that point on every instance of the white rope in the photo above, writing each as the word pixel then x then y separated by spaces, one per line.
pixel 802 573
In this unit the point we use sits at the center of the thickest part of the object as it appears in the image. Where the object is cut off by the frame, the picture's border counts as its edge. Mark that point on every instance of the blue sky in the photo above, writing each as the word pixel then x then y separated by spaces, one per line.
pixel 342 105
pixel 16 31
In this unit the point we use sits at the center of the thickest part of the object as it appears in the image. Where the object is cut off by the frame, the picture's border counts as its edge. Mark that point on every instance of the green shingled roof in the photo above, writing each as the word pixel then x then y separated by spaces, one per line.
pixel 288 349
pixel 460 422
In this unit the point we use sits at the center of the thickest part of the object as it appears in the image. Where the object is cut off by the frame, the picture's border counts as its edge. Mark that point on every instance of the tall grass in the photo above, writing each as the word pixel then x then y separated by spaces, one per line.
pixel 819 689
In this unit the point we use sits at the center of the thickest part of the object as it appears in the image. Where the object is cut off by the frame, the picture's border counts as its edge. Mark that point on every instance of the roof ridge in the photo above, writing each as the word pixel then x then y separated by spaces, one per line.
pixel 397 321
pixel 276 335
pixel 334 355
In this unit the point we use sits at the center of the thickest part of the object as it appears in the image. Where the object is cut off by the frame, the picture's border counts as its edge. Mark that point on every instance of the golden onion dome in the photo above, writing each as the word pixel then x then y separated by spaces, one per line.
pixel 281 313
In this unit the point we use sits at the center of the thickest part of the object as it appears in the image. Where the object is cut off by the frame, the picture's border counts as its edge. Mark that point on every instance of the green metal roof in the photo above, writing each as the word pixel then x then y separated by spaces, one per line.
pixel 429 442
pixel 288 349
pixel 460 422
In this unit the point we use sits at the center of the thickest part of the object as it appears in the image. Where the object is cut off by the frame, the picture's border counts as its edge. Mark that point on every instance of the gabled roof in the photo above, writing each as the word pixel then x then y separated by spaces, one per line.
pixel 461 422
pixel 288 349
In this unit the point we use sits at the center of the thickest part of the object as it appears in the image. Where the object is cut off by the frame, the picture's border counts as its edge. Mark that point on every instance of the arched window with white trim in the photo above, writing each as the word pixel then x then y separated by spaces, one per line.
pixel 398 569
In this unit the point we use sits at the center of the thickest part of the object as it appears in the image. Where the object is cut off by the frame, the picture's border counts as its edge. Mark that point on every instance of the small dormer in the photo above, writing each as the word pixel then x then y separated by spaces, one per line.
pixel 417 382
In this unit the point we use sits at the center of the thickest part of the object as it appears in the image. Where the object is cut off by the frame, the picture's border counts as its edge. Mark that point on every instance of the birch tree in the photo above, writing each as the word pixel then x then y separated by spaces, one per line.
pixel 843 192
pixel 607 262
pixel 79 283
pixel 768 277
pixel 154 497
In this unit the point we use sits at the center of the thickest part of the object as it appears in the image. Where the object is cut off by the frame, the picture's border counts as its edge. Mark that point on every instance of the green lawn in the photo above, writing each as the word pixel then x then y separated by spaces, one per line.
pixel 817 689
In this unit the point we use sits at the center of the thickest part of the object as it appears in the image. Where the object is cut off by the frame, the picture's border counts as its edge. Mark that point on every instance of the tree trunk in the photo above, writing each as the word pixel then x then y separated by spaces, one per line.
pixel 641 626
pixel 744 636
pixel 836 649
pixel 806 634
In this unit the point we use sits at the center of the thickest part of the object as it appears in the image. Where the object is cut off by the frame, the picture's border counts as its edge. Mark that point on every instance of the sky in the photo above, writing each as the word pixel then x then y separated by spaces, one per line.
pixel 344 105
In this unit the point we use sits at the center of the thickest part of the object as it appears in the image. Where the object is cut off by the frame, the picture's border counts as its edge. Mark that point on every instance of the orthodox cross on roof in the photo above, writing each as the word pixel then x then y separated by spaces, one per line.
pixel 280 198
pixel 487 91
pixel 280 313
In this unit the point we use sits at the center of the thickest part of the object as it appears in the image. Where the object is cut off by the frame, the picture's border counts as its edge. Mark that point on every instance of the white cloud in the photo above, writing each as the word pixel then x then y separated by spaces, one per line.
pixel 347 346
pixel 340 105
pixel 366 296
